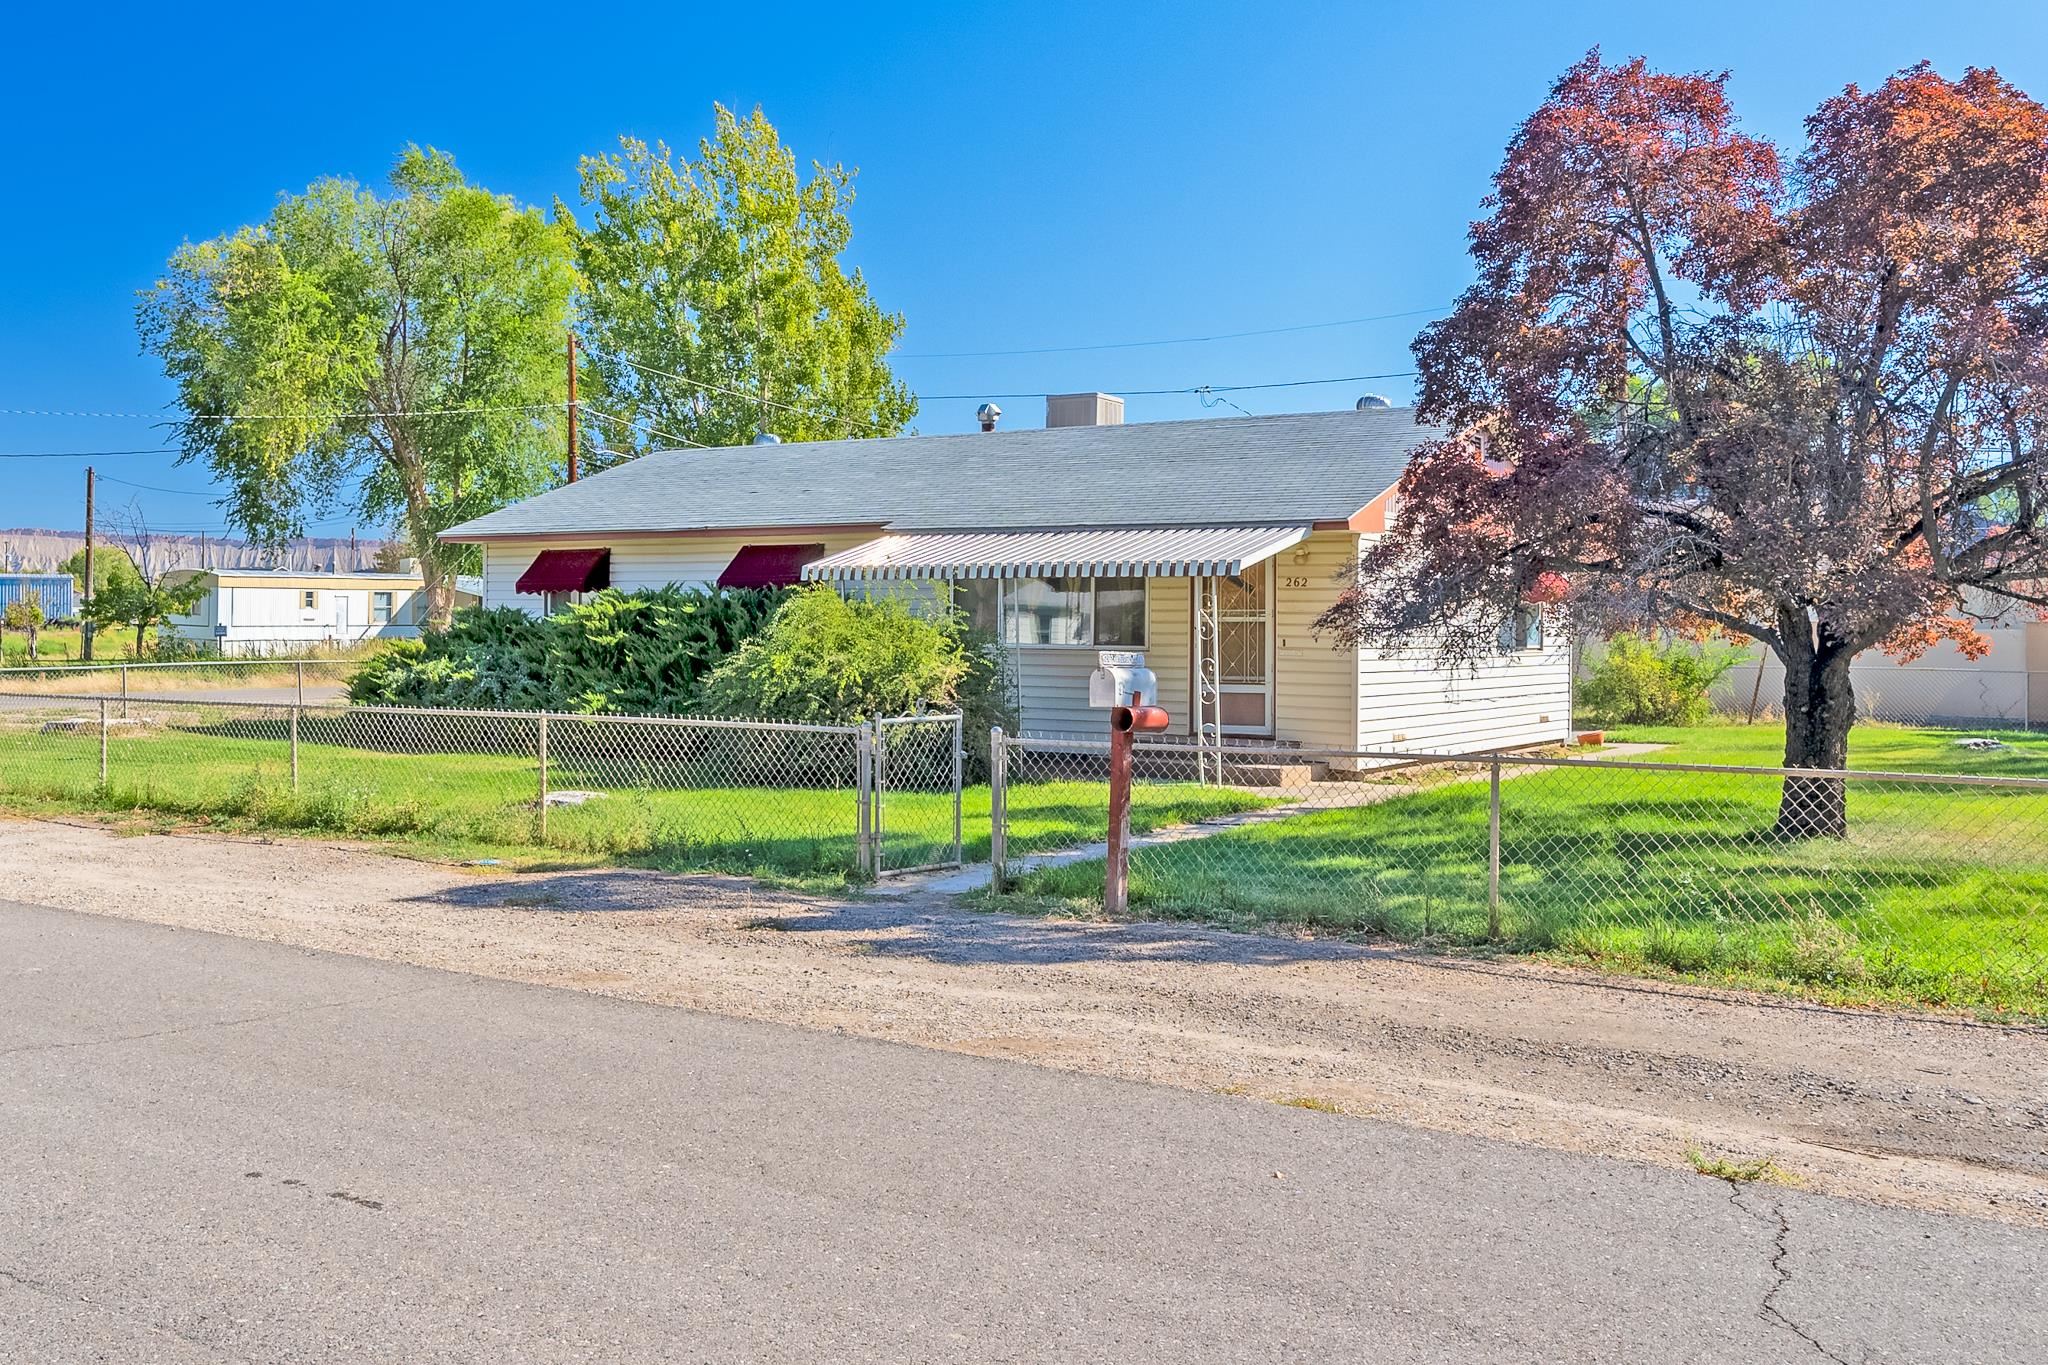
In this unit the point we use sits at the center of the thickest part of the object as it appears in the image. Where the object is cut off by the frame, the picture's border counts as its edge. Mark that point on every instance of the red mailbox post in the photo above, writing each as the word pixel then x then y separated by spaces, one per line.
pixel 1124 721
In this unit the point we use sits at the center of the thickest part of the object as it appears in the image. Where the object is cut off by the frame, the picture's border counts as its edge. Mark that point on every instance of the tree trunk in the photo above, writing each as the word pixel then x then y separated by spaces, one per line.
pixel 436 560
pixel 438 586
pixel 1820 706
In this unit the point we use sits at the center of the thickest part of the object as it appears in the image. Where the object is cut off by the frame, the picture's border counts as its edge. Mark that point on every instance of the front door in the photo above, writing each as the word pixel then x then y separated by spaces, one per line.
pixel 1244 651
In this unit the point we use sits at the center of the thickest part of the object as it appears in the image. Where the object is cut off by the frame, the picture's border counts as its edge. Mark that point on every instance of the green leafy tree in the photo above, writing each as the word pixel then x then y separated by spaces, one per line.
pixel 25 614
pixel 142 605
pixel 110 564
pixel 725 270
pixel 397 356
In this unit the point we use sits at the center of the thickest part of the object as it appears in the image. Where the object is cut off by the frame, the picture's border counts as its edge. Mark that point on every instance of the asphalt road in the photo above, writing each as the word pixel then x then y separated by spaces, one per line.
pixel 214 1149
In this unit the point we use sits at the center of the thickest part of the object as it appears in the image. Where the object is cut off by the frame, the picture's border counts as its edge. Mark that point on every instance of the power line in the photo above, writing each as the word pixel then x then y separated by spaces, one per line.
pixel 1197 389
pixel 736 393
pixel 153 488
pixel 277 416
pixel 1210 398
pixel 80 454
pixel 1129 393
pixel 628 424
pixel 1172 341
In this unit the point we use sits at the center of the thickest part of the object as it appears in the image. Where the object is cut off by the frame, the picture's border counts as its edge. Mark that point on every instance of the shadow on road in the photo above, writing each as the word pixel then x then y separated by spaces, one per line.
pixel 931 930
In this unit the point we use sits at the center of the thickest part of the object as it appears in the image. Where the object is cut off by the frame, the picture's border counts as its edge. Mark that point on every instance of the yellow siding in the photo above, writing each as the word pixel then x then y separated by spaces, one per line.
pixel 1170 650
pixel 1315 700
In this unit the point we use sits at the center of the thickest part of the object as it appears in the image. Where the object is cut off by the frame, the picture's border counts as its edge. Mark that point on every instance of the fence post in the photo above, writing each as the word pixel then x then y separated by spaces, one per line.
pixel 543 748
pixel 879 747
pixel 299 669
pixel 863 785
pixel 124 691
pixel 103 743
pixel 1493 850
pixel 295 748
pixel 998 782
pixel 959 775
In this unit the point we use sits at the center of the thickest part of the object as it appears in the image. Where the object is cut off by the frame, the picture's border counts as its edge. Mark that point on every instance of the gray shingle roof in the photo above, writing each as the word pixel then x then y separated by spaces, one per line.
pixel 1316 466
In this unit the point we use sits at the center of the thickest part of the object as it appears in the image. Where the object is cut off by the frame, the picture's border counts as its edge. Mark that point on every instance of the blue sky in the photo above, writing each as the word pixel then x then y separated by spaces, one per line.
pixel 1051 175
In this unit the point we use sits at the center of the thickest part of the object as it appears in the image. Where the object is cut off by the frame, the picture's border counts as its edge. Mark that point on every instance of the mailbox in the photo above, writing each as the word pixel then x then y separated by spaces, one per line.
pixel 1121 679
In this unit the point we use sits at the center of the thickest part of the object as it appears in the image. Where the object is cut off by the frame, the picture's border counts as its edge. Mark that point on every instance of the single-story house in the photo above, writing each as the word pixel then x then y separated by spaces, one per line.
pixel 1210 545
pixel 270 611
pixel 56 592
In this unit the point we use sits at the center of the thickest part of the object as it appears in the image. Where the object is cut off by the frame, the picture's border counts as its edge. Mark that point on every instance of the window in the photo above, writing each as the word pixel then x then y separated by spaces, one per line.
pixel 1523 630
pixel 1047 611
pixel 309 599
pixel 380 608
pixel 980 601
pixel 1070 612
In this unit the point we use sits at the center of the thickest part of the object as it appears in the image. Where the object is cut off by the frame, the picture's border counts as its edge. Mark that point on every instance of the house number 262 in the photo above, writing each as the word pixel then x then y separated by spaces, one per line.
pixel 1294 582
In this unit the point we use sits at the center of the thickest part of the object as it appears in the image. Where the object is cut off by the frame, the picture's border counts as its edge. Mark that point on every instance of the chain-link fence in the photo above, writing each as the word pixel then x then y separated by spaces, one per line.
pixel 1938 892
pixel 295 680
pixel 735 795
pixel 1967 697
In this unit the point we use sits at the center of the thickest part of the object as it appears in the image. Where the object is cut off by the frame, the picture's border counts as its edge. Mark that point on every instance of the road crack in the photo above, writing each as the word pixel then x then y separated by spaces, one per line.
pixel 269 1017
pixel 1781 1274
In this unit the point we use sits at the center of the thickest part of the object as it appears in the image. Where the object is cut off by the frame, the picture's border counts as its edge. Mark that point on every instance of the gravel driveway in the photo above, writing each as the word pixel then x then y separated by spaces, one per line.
pixel 1929 1113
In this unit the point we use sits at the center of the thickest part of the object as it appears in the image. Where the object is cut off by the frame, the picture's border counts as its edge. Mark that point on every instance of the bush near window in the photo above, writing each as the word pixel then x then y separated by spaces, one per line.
pixel 828 660
pixel 645 653
pixel 1640 682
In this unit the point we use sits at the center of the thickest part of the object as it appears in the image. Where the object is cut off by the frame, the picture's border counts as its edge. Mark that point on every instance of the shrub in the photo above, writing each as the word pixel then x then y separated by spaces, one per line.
pixel 620 653
pixel 649 653
pixel 828 660
pixel 1637 682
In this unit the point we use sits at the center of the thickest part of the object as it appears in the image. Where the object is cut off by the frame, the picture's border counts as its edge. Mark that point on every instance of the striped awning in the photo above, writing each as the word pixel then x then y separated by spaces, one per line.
pixel 1129 552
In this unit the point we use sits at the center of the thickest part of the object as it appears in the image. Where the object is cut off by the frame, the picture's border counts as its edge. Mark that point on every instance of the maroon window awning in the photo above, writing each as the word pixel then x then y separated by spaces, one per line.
pixel 769 566
pixel 567 571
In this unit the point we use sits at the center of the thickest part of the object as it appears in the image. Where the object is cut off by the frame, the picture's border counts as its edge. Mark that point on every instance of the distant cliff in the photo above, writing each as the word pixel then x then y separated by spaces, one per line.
pixel 31 550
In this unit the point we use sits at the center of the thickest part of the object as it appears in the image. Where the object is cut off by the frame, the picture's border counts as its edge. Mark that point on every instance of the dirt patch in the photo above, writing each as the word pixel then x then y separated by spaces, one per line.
pixel 1929 1113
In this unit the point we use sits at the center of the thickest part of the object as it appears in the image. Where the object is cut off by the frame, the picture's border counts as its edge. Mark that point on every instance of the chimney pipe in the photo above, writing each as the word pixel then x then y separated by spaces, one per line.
pixel 986 414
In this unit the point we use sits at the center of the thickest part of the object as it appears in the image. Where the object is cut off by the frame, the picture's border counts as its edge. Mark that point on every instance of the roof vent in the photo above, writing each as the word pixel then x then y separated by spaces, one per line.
pixel 1084 410
pixel 765 438
pixel 986 414
pixel 1372 401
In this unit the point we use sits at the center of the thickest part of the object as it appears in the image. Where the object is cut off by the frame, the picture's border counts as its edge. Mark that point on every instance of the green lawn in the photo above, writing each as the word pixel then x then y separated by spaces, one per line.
pixel 1940 895
pixel 473 805
pixel 58 646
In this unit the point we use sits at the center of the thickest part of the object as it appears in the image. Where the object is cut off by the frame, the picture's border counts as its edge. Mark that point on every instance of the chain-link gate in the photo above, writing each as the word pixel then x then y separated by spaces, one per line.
pixel 914 824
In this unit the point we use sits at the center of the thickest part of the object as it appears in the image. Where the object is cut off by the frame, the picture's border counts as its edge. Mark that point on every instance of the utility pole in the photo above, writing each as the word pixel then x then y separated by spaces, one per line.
pixel 572 407
pixel 85 626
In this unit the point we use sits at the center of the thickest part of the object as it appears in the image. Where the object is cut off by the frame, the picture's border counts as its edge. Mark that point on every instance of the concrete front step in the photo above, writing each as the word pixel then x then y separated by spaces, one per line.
pixel 1272 774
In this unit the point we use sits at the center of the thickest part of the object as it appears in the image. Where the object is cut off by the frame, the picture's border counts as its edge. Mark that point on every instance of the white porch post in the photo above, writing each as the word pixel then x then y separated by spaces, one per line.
pixel 1208 682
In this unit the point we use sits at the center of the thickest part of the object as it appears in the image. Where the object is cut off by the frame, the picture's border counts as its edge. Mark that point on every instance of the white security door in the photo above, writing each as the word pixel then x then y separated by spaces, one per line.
pixel 1233 642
